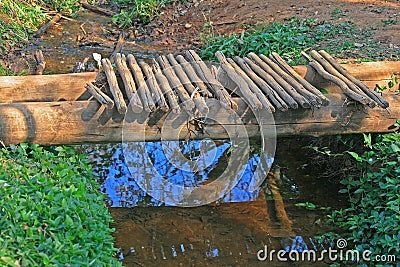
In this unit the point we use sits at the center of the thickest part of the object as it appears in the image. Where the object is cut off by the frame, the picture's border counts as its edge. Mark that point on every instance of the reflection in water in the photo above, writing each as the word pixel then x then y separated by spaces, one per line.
pixel 123 190
pixel 225 234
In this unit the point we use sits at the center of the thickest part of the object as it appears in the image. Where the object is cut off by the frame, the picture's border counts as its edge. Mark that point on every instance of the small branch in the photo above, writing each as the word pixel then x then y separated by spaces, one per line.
pixel 40 63
pixel 118 47
pixel 45 27
pixel 100 96
pixel 98 10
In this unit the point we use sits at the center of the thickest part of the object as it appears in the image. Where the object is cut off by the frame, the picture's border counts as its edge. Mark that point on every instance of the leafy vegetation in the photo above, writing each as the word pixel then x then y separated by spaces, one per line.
pixel 52 213
pixel 143 11
pixel 20 18
pixel 372 222
pixel 394 80
pixel 294 36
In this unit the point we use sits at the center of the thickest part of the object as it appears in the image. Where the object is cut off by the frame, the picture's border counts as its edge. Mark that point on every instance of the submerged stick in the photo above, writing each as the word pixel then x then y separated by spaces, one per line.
pixel 114 88
pixel 40 63
pixel 98 10
pixel 49 24
pixel 118 47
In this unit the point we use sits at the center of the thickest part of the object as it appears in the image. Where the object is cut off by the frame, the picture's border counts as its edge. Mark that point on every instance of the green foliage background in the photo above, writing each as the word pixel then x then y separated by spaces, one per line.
pixel 51 210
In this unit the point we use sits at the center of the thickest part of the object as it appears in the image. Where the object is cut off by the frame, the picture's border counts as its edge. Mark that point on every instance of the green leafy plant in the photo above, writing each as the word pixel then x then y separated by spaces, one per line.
pixel 289 39
pixel 142 10
pixel 372 222
pixel 52 213
pixel 394 80
pixel 6 72
pixel 390 21
pixel 337 13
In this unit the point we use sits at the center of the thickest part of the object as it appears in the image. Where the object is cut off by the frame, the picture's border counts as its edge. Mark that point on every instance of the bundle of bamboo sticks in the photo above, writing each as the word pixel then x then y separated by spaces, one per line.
pixel 166 84
pixel 184 82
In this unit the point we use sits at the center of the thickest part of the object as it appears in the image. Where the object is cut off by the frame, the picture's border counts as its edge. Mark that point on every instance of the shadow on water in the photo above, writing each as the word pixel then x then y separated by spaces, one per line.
pixel 229 232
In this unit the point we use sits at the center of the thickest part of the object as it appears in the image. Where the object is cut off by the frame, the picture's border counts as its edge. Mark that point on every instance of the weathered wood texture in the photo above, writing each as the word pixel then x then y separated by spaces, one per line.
pixel 44 87
pixel 74 122
pixel 72 86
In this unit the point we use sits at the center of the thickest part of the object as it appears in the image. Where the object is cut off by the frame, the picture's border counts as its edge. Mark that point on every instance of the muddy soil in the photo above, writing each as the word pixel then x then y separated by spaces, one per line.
pixel 182 26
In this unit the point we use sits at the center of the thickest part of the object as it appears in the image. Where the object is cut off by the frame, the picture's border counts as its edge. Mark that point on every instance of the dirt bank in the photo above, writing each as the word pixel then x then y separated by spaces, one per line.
pixel 183 25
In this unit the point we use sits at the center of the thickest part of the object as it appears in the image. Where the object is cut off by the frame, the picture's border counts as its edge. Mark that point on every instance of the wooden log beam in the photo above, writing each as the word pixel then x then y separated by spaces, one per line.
pixel 44 87
pixel 77 122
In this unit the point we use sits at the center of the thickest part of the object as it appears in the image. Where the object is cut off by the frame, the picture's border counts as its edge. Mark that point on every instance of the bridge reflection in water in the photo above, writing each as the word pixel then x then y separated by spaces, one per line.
pixel 222 233
pixel 118 178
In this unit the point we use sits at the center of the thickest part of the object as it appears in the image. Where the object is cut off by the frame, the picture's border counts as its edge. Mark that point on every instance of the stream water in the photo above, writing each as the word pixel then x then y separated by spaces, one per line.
pixel 228 232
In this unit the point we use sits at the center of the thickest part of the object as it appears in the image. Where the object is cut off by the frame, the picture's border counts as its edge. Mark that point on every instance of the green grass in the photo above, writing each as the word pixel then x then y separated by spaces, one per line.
pixel 290 38
pixel 19 19
pixel 52 211
pixel 143 11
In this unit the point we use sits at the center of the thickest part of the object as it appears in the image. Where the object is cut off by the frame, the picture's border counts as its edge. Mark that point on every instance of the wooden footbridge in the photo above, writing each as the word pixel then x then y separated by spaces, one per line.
pixel 127 97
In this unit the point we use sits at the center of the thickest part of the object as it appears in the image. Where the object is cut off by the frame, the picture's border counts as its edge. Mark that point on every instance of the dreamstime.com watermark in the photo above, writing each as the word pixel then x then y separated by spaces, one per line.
pixel 340 253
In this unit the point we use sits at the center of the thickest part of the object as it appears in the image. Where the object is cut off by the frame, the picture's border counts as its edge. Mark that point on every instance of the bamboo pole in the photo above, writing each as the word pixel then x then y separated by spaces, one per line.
pixel 175 83
pixel 375 96
pixel 205 74
pixel 244 89
pixel 300 79
pixel 166 88
pixel 351 86
pixel 287 87
pixel 187 83
pixel 326 75
pixel 312 98
pixel 253 87
pixel 264 86
pixel 143 90
pixel 129 83
pixel 103 99
pixel 153 86
pixel 191 73
pixel 114 88
pixel 291 102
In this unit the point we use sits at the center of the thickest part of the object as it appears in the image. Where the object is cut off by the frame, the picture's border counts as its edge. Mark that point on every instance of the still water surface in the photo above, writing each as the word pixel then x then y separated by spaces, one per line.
pixel 228 232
